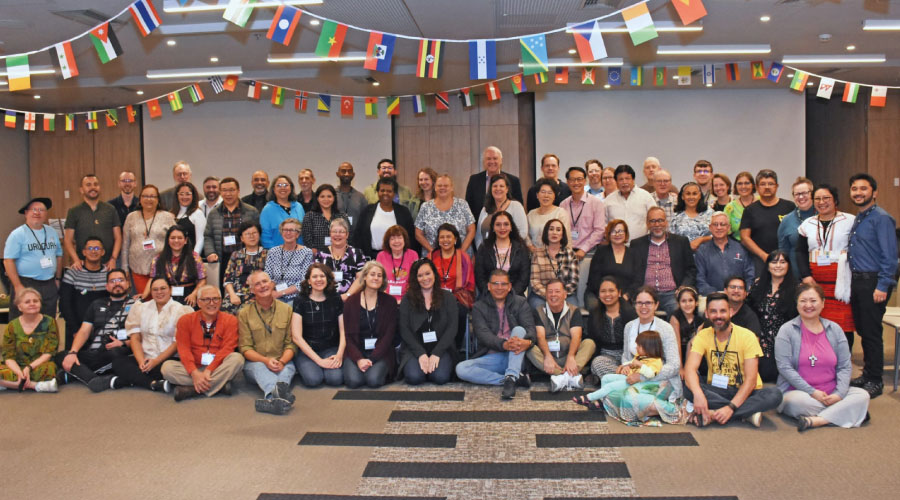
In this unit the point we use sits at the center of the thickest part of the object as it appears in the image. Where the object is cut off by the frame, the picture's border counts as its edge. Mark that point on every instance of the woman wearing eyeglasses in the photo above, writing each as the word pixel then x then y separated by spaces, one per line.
pixel 287 263
pixel 282 204
pixel 243 261
pixel 179 266
pixel 144 234
pixel 745 189
pixel 614 259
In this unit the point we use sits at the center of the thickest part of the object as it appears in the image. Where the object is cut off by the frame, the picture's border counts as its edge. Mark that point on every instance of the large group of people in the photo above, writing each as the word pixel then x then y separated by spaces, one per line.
pixel 672 302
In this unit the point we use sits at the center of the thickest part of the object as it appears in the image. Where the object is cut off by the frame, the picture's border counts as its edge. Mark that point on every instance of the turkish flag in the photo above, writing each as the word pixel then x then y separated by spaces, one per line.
pixel 347 105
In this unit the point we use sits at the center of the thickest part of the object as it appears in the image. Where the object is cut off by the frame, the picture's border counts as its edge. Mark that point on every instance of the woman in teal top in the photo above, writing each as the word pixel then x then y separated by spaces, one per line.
pixel 282 205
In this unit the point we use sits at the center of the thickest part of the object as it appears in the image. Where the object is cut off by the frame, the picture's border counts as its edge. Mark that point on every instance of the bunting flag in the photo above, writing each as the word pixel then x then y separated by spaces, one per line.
pixel 709 74
pixel 49 123
pixel 534 54
pixel 10 120
pixel 300 99
pixel 851 90
pixel 639 23
pixel 587 76
pixel 540 78
pixel 757 70
pixel 562 75
pixel 418 104
pixel 145 16
pixel 637 76
pixel 70 122
pixel 482 59
pixel 195 92
pixel 347 105
pixel 380 52
pixel 283 24
pixel 324 104
pixel 217 84
pixel 130 113
pixel 465 95
pixel 659 77
pixel 30 122
pixel 798 83
pixel 175 101
pixel 91 120
pixel 430 60
pixel 112 117
pixel 393 106
pixel 331 40
pixel 689 10
pixel 614 76
pixel 254 91
pixel 518 84
pixel 879 96
pixel 372 107
pixel 238 11
pixel 230 83
pixel 154 109
pixel 277 96
pixel 492 90
pixel 684 75
pixel 732 72
pixel 589 42
pixel 65 59
pixel 442 101
pixel 105 43
pixel 18 73
pixel 826 87
pixel 775 71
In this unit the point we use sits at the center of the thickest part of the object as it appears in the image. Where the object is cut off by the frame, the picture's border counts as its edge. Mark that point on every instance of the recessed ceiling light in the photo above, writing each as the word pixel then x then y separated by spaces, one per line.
pixel 314 22
pixel 213 59
pixel 375 84
pixel 571 51
pixel 140 92
pixel 170 43
pixel 309 57
pixel 37 97
pixel 833 59
pixel 192 72
pixel 713 49
pixel 790 75
pixel 764 19
pixel 606 86
pixel 675 77
pixel 851 47
pixel 809 84
pixel 201 7
pixel 709 85
pixel 265 87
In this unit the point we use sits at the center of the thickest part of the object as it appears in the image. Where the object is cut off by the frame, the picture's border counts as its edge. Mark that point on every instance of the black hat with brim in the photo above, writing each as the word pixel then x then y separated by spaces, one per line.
pixel 46 201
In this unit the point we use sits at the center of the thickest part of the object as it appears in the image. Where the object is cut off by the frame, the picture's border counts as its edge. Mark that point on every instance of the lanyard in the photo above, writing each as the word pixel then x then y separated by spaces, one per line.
pixel 44 245
pixel 554 322
pixel 293 253
pixel 720 355
pixel 446 274
pixel 146 227
pixel 576 219
pixel 502 262
pixel 557 269
pixel 648 328
pixel 396 270
pixel 267 326
pixel 208 331
pixel 370 320
pixel 824 230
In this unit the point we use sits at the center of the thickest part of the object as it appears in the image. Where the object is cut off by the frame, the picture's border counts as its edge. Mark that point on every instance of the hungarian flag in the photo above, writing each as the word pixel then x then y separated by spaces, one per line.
pixel 255 90
pixel 534 54
pixel 589 42
pixel 145 16
pixel 689 10
pixel 175 101
pixel 230 83
pixel 637 76
pixel 18 72
pixel 30 122
pixel 757 70
pixel 639 23
pixel 70 122
pixel 393 105
pixel 442 101
pixel 105 43
pixel 91 120
pixel 112 118
pixel 380 52
pixel 371 106
pixel 518 84
pixel 879 96
pixel 277 96
pixel 798 83
pixel 10 120
pixel 331 40
pixel 49 123
pixel 659 79
pixel 775 72
pixel 196 93
pixel 851 90
pixel 324 104
pixel 732 72
pixel 430 60
pixel 238 11
pixel 587 76
pixel 482 59
pixel 130 113
pixel 283 24
pixel 465 95
pixel 418 104
pixel 562 75
pixel 300 99
pixel 492 90
pixel 65 59
pixel 347 105
pixel 153 108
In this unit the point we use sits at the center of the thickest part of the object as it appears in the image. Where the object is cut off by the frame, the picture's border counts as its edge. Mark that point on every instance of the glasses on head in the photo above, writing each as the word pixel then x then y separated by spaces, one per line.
pixel 209 300
pixel 117 280
pixel 282 185
pixel 93 248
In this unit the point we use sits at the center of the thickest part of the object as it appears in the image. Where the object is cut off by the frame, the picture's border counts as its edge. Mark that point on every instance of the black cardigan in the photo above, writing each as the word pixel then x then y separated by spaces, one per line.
pixel 363 237
pixel 443 322
pixel 519 267
pixel 604 264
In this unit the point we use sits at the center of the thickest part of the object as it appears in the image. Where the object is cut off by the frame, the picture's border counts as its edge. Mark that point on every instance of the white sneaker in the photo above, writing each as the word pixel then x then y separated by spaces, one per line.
pixel 575 383
pixel 48 386
pixel 558 382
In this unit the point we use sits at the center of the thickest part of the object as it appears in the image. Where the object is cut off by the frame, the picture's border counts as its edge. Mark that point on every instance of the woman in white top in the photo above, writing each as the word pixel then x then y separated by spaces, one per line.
pixel 537 218
pixel 500 200
pixel 189 216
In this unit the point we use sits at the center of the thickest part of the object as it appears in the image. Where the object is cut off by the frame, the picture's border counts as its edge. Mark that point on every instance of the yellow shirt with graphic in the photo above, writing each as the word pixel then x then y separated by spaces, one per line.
pixel 743 345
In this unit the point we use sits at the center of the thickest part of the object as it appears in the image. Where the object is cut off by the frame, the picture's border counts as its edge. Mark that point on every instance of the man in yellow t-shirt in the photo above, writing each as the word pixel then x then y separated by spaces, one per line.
pixel 733 388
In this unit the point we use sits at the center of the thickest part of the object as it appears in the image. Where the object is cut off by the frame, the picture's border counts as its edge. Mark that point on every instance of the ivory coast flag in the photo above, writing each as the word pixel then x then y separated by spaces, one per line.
pixel 798 83
pixel 639 23
pixel 18 72
pixel 851 90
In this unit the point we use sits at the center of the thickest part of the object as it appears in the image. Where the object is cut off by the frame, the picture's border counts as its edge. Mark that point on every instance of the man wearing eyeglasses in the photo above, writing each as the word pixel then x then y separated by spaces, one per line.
pixel 126 202
pixel 741 313
pixel 32 257
pixel 788 235
pixel 664 196
pixel 664 260
pixel 651 166
pixel 206 342
pixel 82 287
pixel 101 337
pixel 504 324
pixel 181 172
pixel 386 168
pixel 703 173
pixel 721 257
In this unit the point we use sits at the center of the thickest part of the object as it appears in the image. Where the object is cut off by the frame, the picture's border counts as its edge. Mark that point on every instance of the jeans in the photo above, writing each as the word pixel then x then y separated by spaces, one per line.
pixel 374 377
pixel 258 372
pixel 765 399
pixel 867 316
pixel 414 375
pixel 492 368
pixel 312 375
pixel 667 302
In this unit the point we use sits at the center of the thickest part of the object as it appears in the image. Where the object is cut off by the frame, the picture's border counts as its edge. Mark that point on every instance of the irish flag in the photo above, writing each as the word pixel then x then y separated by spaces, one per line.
pixel 639 23
pixel 105 43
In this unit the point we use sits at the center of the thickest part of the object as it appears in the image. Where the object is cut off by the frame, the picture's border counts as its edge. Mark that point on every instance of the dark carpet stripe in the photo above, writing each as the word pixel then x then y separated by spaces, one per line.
pixel 303 496
pixel 645 498
pixel 401 395
pixel 555 396
pixel 614 440
pixel 365 439
pixel 485 470
pixel 497 416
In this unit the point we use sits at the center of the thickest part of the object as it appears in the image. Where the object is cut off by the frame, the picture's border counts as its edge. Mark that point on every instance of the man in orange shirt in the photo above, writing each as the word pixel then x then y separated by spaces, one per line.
pixel 206 342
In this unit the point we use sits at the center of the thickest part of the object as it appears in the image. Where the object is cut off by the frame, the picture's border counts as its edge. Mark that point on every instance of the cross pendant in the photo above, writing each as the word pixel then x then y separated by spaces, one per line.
pixel 812 360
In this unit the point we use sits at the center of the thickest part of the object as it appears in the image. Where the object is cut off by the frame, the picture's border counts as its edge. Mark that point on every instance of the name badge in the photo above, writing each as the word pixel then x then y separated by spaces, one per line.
pixel 574 234
pixel 395 290
pixel 720 381
pixel 149 245
pixel 121 334
pixel 369 344
pixel 178 291
pixel 350 217
pixel 281 287
pixel 823 260
pixel 553 345
pixel 445 288
pixel 207 358
pixel 338 275
pixel 327 240
pixel 230 240
pixel 429 337
pixel 46 262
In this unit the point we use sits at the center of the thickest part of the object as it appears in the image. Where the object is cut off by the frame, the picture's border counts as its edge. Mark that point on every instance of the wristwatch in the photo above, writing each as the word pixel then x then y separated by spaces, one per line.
pixel 731 405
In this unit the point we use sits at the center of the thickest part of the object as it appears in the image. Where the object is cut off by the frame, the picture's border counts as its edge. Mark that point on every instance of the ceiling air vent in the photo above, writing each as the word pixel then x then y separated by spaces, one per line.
pixel 88 17
pixel 602 4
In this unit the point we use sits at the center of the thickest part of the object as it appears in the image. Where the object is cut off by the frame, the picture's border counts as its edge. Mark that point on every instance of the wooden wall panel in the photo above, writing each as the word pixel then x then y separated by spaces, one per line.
pixel 883 152
pixel 115 150
pixel 836 144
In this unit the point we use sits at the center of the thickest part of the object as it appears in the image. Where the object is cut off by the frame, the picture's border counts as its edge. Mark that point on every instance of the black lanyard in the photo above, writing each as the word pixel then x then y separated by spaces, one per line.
pixel 446 274
pixel 373 318
pixel 44 245
pixel 267 326
pixel 396 270
pixel 334 262
pixel 501 263
pixel 720 355
pixel 289 262
pixel 824 230
pixel 576 219
pixel 148 228
pixel 557 269
pixel 208 331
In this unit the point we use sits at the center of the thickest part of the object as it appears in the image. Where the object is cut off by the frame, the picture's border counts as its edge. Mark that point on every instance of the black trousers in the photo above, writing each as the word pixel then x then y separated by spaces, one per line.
pixel 765 399
pixel 130 374
pixel 91 361
pixel 868 315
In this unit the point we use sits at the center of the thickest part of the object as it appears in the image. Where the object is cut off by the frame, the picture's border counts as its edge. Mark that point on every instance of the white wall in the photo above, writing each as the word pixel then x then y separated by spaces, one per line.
pixel 734 129
pixel 237 138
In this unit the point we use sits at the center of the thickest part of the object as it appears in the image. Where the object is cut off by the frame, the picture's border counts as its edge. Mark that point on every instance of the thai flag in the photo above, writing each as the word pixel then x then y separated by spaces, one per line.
pixel 145 16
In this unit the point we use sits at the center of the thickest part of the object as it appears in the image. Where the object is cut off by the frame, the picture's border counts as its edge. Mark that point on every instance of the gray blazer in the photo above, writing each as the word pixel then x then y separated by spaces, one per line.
pixel 213 242
pixel 787 355
pixel 486 321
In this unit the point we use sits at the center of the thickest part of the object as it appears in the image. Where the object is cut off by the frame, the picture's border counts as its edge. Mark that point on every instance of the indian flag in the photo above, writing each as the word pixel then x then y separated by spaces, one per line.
pixel 18 72
pixel 105 43
pixel 639 23
pixel 851 90
pixel 49 123
pixel 238 11
pixel 798 83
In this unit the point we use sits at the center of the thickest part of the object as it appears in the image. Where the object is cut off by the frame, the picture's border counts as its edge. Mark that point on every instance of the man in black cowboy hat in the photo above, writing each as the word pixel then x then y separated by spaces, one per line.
pixel 33 257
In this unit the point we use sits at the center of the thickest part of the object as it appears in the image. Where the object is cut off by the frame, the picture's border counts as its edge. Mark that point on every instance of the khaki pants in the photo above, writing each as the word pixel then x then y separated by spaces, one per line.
pixel 175 373
pixel 582 357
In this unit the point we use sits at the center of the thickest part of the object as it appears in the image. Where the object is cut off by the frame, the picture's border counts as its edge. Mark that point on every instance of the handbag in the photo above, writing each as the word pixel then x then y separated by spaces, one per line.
pixel 463 296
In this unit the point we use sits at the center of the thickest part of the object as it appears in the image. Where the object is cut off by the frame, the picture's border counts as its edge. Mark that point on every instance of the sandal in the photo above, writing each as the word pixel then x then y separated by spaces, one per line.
pixel 803 423
pixel 582 400
pixel 595 406
pixel 696 419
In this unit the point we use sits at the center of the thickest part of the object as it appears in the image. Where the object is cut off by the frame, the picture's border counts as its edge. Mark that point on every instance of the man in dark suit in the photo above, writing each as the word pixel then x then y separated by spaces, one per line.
pixel 476 190
pixel 663 260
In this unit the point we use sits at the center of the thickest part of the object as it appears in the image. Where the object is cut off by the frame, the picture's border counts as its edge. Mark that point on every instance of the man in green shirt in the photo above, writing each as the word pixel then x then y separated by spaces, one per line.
pixel 386 168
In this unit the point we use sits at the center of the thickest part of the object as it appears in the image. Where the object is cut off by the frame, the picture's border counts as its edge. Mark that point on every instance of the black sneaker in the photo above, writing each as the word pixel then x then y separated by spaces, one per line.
pixel 858 382
pixel 275 406
pixel 524 380
pixel 183 392
pixel 592 380
pixel 874 388
pixel 227 389
pixel 100 383
pixel 509 387
pixel 283 391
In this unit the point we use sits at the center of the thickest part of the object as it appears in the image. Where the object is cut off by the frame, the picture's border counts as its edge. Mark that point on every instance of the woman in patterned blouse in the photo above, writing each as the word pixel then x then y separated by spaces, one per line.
pixel 143 235
pixel 554 260
pixel 287 263
pixel 317 222
pixel 29 343
pixel 444 208
pixel 692 215
pixel 343 260
pixel 243 261
pixel 179 266
pixel 772 299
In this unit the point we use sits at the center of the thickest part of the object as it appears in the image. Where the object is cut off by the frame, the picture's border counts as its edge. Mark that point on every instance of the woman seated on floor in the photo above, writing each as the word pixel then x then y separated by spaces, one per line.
pixel 317 329
pixel 370 321
pixel 151 326
pixel 428 316
pixel 29 343
pixel 813 359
